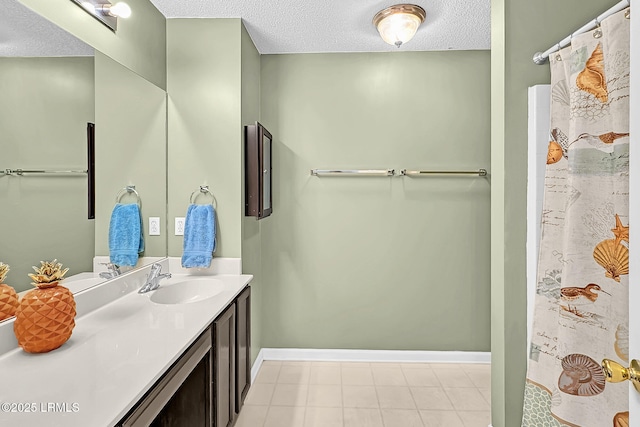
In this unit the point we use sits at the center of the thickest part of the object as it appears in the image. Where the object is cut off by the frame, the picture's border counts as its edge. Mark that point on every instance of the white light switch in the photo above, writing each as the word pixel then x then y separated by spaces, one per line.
pixel 154 226
pixel 179 229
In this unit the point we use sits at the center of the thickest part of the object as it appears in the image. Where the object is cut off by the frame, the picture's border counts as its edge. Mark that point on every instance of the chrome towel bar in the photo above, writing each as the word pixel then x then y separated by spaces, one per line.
pixel 352 172
pixel 23 171
pixel 406 172
pixel 391 172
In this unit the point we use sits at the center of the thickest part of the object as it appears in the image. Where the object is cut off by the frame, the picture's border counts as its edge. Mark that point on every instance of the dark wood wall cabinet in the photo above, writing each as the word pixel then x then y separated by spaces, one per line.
pixel 207 385
pixel 258 195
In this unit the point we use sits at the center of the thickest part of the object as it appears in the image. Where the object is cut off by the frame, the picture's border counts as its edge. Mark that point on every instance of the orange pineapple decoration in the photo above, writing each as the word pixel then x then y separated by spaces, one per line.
pixel 8 295
pixel 44 319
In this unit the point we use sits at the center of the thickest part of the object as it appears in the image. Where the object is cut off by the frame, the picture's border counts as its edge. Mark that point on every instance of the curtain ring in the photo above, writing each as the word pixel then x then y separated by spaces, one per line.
pixel 627 13
pixel 597 33
pixel 558 56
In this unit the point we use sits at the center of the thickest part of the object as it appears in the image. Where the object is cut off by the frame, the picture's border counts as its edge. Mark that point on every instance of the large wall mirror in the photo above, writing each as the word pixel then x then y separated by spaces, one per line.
pixel 51 86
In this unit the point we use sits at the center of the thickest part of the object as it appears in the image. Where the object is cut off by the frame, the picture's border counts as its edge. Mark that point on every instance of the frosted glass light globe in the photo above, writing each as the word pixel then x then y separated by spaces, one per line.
pixel 398 24
pixel 399 28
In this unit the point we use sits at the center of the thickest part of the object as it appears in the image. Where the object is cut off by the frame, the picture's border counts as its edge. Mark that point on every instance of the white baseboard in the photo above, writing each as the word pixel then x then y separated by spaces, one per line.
pixel 256 366
pixel 339 355
pixel 399 356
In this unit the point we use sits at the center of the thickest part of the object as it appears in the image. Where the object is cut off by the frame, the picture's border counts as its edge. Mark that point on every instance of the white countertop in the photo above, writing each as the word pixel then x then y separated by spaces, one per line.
pixel 115 354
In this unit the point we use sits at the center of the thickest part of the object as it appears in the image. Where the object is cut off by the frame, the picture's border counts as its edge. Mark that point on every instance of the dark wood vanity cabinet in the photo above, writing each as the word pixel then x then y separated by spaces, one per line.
pixel 189 405
pixel 243 347
pixel 182 396
pixel 207 385
pixel 224 368
pixel 231 359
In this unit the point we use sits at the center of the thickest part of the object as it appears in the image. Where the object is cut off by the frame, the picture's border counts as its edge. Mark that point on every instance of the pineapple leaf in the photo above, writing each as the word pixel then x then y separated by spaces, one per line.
pixel 4 269
pixel 49 271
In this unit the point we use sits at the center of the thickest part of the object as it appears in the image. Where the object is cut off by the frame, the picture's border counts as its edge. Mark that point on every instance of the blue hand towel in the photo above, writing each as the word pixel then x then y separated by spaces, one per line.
pixel 125 235
pixel 199 236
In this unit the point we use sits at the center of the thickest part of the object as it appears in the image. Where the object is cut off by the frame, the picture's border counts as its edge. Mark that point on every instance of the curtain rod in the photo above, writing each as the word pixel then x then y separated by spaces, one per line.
pixel 541 57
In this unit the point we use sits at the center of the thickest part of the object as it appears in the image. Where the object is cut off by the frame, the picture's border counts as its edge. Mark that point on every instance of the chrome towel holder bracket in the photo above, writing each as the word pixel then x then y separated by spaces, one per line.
pixel 128 190
pixel 204 189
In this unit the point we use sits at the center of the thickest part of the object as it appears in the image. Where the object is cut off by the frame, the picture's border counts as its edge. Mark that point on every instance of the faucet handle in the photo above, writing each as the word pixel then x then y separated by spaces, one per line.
pixel 154 272
pixel 112 271
pixel 153 278
pixel 156 268
pixel 111 266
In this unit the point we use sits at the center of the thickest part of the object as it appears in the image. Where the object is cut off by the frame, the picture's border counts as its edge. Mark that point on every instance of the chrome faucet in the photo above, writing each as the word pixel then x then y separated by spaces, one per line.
pixel 113 271
pixel 153 279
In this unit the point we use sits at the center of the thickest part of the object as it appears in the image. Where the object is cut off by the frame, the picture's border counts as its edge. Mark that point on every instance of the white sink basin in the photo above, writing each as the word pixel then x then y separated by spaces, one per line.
pixel 187 291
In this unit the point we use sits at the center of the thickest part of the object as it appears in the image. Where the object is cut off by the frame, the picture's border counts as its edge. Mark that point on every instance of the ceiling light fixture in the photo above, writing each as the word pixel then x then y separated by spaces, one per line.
pixel 121 10
pixel 105 12
pixel 398 24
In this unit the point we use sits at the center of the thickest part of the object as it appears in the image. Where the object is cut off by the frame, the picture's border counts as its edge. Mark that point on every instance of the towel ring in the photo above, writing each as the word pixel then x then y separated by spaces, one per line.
pixel 126 190
pixel 204 189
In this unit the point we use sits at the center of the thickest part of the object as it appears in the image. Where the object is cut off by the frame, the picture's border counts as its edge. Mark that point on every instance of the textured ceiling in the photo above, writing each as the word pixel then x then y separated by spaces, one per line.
pixel 25 33
pixel 298 26
pixel 276 26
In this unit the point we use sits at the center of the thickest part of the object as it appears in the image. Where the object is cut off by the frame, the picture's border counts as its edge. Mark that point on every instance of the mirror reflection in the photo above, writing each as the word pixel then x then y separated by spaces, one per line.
pixel 48 96
pixel 47 87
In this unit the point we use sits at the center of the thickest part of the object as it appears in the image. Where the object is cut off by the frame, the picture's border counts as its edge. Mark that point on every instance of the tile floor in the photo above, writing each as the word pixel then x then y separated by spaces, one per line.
pixel 341 394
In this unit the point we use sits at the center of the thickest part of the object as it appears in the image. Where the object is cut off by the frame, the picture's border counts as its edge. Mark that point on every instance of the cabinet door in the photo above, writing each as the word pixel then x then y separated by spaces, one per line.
pixel 258 160
pixel 224 346
pixel 190 405
pixel 243 355
pixel 182 396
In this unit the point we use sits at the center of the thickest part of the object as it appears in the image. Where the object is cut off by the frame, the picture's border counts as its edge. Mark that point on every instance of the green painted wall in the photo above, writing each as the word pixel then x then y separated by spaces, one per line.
pixel 377 263
pixel 519 29
pixel 251 236
pixel 131 142
pixel 204 124
pixel 211 97
pixel 139 43
pixel 44 109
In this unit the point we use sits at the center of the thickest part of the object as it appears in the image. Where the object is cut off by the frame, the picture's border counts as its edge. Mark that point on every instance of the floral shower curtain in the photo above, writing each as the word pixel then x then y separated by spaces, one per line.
pixel 581 308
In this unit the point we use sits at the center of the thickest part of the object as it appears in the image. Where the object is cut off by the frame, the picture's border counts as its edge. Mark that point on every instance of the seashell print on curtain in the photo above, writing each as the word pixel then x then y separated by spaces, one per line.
pixel 581 307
